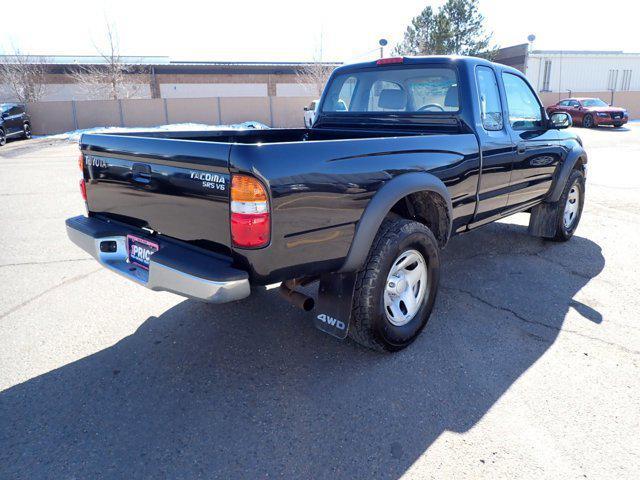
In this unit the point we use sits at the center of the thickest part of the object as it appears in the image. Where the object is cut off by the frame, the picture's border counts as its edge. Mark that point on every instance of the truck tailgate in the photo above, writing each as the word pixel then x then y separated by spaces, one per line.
pixel 179 188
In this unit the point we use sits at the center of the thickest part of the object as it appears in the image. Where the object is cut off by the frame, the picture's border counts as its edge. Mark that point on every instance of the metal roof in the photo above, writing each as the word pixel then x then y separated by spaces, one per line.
pixel 152 61
pixel 583 52
pixel 87 59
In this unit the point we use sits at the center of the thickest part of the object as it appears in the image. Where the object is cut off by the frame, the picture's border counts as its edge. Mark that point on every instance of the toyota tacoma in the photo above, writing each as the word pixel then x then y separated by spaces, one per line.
pixel 403 154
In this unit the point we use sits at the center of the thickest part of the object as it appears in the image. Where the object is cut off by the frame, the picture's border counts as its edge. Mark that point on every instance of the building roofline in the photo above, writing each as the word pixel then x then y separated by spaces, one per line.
pixel 583 52
pixel 157 60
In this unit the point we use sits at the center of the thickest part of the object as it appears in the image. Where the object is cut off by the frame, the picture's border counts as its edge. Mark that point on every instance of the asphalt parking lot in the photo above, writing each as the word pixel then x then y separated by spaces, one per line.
pixel 529 367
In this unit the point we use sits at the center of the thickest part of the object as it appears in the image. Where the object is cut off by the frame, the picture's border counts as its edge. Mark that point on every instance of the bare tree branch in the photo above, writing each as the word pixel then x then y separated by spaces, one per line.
pixel 314 76
pixel 24 75
pixel 112 79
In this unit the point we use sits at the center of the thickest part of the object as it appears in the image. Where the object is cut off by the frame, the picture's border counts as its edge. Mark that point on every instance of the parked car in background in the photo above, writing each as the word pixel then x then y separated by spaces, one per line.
pixel 591 112
pixel 14 122
pixel 310 113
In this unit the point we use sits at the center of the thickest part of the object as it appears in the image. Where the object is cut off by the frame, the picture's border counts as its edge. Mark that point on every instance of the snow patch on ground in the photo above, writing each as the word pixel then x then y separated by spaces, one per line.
pixel 75 135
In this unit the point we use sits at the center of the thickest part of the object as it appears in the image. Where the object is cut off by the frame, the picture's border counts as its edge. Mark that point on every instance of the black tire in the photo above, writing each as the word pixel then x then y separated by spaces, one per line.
pixel 370 326
pixel 563 231
pixel 617 125
pixel 587 121
pixel 26 131
pixel 3 137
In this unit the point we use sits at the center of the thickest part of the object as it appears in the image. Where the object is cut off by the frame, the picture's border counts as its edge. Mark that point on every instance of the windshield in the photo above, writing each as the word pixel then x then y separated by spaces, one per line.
pixel 400 89
pixel 593 102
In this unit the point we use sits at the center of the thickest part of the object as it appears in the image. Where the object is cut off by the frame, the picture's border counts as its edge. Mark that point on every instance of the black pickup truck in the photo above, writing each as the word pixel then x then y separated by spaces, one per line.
pixel 403 154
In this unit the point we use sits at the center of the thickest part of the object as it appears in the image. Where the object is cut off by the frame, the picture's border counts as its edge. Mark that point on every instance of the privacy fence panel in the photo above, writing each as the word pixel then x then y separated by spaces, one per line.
pixel 143 112
pixel 289 111
pixel 193 110
pixel 58 117
pixel 97 113
pixel 51 117
pixel 243 109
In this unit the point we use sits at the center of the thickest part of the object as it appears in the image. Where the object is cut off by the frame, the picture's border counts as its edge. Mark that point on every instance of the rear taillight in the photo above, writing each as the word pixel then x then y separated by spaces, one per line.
pixel 387 61
pixel 250 218
pixel 83 185
pixel 83 189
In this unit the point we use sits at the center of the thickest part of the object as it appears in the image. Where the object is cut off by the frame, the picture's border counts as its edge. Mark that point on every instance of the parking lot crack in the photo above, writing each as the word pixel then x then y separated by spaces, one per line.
pixel 69 260
pixel 48 290
pixel 536 322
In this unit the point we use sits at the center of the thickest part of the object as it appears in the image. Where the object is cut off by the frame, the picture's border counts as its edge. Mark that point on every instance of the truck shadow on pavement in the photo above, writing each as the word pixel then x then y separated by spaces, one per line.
pixel 251 389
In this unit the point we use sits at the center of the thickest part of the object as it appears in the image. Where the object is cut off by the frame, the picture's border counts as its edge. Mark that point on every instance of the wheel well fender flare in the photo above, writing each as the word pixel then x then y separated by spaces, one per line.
pixel 381 204
pixel 575 156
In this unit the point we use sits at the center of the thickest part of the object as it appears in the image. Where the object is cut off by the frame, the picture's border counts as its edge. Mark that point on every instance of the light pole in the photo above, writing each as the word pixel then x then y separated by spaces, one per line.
pixel 382 42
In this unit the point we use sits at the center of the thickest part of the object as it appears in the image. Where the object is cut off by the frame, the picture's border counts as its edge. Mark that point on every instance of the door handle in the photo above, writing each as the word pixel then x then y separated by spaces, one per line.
pixel 521 147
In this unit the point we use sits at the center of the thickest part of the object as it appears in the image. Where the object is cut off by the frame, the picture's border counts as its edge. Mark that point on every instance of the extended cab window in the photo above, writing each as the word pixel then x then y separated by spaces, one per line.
pixel 489 97
pixel 524 109
pixel 394 89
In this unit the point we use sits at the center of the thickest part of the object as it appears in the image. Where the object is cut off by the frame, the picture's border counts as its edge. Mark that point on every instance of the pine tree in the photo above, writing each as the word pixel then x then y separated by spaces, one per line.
pixel 456 28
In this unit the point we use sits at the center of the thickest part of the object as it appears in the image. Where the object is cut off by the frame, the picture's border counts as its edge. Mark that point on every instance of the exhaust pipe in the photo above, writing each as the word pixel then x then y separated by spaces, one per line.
pixel 298 299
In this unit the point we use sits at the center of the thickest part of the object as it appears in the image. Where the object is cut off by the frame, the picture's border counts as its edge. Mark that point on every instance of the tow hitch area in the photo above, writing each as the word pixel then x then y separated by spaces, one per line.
pixel 333 311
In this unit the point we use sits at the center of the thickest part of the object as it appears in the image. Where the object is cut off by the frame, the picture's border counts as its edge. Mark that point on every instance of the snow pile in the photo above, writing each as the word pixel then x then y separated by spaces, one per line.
pixel 174 127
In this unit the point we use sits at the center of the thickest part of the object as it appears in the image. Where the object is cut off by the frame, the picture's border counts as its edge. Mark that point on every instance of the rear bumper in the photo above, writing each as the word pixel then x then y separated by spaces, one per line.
pixel 173 268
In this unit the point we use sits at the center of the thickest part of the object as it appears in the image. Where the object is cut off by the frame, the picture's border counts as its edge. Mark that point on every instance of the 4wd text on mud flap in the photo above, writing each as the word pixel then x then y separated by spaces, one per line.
pixel 331 321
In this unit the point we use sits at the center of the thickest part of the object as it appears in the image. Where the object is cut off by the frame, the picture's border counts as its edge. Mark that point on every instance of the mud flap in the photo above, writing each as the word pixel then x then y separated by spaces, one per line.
pixel 543 221
pixel 335 297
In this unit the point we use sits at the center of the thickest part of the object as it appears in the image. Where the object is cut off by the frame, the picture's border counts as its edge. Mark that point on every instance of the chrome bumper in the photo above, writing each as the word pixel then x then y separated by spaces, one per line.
pixel 172 268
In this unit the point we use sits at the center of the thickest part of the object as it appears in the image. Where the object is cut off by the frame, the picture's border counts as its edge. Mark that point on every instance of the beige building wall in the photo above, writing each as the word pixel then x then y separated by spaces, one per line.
pixel 203 90
pixel 296 90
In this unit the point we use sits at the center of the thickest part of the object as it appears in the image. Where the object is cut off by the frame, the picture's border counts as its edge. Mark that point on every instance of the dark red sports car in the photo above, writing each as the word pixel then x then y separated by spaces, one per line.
pixel 590 112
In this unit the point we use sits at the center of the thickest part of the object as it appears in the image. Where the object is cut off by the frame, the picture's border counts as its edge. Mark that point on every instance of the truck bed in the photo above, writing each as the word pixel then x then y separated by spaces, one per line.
pixel 177 184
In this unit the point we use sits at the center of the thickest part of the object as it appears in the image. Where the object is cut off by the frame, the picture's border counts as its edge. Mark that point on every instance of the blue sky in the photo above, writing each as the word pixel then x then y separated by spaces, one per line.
pixel 291 30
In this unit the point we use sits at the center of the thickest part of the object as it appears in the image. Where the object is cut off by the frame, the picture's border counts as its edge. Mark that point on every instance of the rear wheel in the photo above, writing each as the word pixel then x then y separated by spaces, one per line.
pixel 397 287
pixel 3 137
pixel 587 121
pixel 617 125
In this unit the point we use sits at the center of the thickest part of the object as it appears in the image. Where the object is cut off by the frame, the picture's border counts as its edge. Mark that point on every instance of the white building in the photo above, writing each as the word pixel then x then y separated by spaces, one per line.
pixel 613 76
pixel 558 71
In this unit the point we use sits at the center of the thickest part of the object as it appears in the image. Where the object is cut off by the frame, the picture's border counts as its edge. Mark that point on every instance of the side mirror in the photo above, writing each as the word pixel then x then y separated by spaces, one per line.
pixel 306 109
pixel 560 120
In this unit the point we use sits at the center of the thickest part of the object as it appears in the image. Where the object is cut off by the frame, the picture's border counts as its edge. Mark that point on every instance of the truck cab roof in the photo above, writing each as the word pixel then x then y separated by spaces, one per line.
pixel 425 60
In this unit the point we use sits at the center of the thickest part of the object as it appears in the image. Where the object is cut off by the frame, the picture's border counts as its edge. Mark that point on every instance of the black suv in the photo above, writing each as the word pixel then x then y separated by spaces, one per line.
pixel 14 122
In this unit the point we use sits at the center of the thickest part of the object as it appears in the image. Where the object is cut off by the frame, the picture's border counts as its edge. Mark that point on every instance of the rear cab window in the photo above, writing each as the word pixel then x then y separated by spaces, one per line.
pixel 489 99
pixel 427 89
